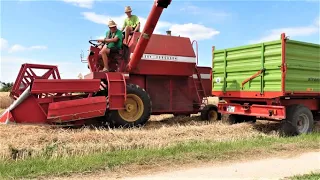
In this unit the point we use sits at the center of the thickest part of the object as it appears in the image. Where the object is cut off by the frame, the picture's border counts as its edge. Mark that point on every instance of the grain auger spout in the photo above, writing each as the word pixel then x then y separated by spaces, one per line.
pixel 147 32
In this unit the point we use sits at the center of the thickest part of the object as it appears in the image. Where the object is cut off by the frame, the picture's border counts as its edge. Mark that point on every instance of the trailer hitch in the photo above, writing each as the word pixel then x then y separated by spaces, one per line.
pixel 246 106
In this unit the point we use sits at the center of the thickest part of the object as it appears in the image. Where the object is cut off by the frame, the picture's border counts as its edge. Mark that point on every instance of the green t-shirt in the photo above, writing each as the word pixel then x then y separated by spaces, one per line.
pixel 118 34
pixel 133 21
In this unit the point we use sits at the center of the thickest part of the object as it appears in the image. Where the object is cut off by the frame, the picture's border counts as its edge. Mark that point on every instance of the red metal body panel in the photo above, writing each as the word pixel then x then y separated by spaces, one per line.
pixel 77 109
pixel 165 45
pixel 246 95
pixel 173 94
pixel 64 86
pixel 139 80
pixel 181 57
pixel 29 111
pixel 266 111
pixel 263 107
pixel 149 67
pixel 312 104
pixel 116 91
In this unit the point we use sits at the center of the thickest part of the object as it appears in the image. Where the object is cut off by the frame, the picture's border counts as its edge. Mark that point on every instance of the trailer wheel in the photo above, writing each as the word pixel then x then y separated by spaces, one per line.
pixel 137 110
pixel 210 112
pixel 299 121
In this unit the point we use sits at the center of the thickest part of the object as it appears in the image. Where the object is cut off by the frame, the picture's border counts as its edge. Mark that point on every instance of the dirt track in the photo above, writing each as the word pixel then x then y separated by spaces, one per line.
pixel 277 167
pixel 272 168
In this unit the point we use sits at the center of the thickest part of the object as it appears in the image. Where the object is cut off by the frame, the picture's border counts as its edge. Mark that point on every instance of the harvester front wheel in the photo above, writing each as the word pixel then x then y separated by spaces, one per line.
pixel 137 110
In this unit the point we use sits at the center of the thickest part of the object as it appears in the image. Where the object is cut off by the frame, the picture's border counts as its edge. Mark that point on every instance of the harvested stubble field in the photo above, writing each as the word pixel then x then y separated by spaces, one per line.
pixel 56 150
pixel 19 141
pixel 162 131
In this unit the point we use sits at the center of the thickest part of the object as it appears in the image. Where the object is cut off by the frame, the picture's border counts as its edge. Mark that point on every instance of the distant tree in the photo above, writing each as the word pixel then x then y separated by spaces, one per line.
pixel 6 87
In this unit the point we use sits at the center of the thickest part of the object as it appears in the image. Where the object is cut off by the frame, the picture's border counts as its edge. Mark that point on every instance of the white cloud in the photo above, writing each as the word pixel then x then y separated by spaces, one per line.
pixel 293 32
pixel 10 66
pixel 81 3
pixel 18 47
pixel 193 31
pixel 3 44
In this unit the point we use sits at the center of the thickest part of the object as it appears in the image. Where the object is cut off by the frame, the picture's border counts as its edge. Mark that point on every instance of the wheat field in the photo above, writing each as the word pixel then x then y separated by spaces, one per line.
pixel 5 100
pixel 20 141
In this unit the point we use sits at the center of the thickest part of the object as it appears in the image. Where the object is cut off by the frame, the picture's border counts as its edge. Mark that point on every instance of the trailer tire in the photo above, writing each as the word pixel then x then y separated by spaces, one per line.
pixel 210 113
pixel 138 105
pixel 290 126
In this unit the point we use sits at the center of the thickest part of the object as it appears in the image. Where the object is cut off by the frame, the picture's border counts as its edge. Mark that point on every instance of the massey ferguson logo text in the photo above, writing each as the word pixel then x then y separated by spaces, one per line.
pixel 162 57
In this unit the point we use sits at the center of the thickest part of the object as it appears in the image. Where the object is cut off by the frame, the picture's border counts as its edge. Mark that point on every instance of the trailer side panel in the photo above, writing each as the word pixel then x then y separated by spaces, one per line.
pixel 303 68
pixel 238 72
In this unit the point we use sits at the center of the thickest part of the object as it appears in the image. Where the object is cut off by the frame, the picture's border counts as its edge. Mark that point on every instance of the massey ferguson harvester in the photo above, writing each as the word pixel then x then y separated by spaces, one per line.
pixel 154 74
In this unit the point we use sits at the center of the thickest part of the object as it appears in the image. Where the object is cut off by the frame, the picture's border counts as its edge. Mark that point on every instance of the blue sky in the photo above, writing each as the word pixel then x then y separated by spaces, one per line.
pixel 55 31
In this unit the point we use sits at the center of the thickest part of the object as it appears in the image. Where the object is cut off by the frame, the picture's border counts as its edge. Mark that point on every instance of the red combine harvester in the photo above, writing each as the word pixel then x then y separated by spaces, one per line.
pixel 154 74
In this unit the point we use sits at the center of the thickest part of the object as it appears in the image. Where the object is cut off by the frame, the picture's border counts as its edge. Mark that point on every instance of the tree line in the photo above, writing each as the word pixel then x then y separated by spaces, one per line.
pixel 6 87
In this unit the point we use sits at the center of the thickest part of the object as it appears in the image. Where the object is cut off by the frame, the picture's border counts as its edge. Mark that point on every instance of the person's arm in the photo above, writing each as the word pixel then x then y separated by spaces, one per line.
pixel 103 40
pixel 115 39
pixel 124 25
pixel 137 28
pixel 138 24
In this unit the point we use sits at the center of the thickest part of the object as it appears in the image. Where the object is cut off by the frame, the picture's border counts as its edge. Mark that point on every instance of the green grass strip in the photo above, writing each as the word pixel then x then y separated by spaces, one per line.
pixel 311 176
pixel 182 152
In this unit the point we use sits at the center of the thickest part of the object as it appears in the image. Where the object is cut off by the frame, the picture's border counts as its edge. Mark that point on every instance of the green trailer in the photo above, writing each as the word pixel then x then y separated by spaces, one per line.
pixel 276 80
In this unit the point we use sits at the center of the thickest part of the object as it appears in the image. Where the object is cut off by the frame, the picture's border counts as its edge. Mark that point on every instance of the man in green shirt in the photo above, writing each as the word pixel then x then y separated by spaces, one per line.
pixel 131 24
pixel 114 43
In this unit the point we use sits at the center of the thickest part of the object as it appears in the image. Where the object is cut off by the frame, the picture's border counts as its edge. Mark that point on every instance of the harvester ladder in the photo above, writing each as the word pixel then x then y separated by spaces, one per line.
pixel 199 86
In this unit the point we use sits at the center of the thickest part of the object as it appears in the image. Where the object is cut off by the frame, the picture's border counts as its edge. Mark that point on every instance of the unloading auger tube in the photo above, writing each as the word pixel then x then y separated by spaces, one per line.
pixel 147 32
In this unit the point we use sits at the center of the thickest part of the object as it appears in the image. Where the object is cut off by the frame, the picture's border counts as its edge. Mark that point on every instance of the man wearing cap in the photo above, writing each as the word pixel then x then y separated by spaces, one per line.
pixel 131 24
pixel 114 43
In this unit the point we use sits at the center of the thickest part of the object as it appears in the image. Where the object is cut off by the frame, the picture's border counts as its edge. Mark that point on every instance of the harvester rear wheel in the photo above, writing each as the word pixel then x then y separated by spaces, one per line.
pixel 137 110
